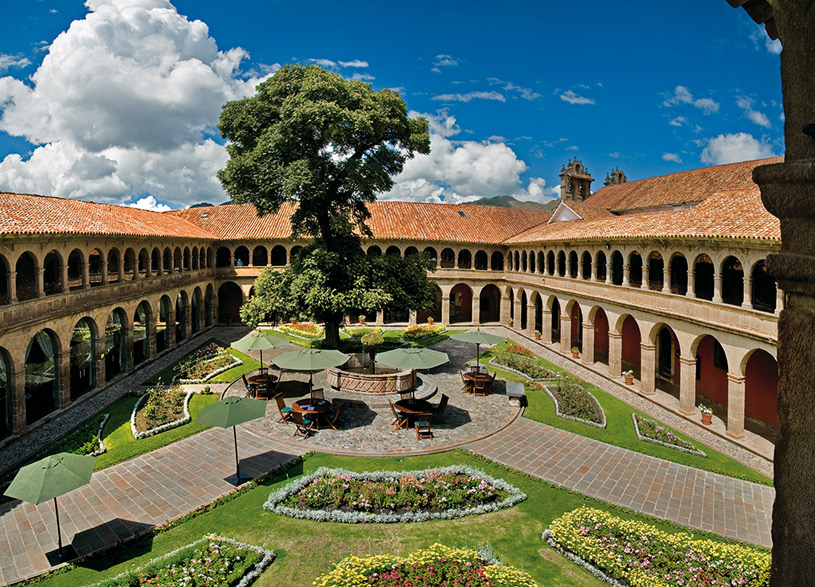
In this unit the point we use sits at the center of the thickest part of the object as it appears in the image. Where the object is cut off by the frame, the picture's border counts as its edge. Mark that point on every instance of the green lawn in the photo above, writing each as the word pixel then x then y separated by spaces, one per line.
pixel 307 549
pixel 120 442
pixel 249 365
pixel 425 342
pixel 620 428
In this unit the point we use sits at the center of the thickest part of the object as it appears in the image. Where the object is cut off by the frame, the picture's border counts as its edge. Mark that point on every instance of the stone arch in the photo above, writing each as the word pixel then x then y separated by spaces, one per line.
pixel 130 264
pixel 602 266
pixel 223 257
pixel 656 271
pixel 489 304
pixel 465 259
pixel 550 263
pixel 554 307
pixel 26 268
pixel 448 258
pixel 76 278
pixel 202 258
pixel 52 273
pixel 155 262
pixel 182 326
pixel 461 303
pixel 373 250
pixel 411 251
pixel 480 261
pixel 617 270
pixel 208 299
pixel 177 260
pixel 524 301
pixel 631 353
pixel 279 256
pixel 195 259
pixel 679 274
pixel 209 258
pixel 541 262
pixel 241 256
pixel 432 256
pixel 516 265
pixel 434 312
pixel 711 371
pixel 497 261
pixel 666 360
pixel 42 375
pixel 230 300
pixel 294 252
pixel 574 269
pixel 5 298
pixel 113 265
pixel 598 317
pixel 635 268
pixel 537 302
pixel 143 263
pixel 82 371
pixel 393 251
pixel 6 390
pixel 196 305
pixel 186 261
pixel 575 313
pixel 585 265
pixel 763 290
pixel 116 343
pixel 511 301
pixel 732 281
pixel 532 261
pixel 260 256
pixel 561 263
pixel 167 261
pixel 703 279
pixel 163 324
pixel 96 261
pixel 760 370
pixel 142 324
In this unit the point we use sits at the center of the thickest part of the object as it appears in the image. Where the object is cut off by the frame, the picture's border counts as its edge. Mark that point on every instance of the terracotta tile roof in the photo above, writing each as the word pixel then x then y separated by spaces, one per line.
pixel 587 212
pixel 694 185
pixel 30 214
pixel 728 214
pixel 390 220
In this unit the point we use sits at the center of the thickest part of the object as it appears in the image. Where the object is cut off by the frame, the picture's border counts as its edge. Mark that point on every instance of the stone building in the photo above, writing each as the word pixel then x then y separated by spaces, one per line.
pixel 663 276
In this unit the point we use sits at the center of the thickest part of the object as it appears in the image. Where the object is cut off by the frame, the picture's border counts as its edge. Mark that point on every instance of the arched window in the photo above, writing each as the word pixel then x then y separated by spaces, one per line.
pixel 732 281
pixel 411 252
pixel 764 290
pixel 541 263
pixel 187 259
pixel 432 257
pixel 480 261
pixel 75 277
pixel 617 268
pixel 393 251
pixel 52 274
pixel 561 264
pixel 656 271
pixel 586 266
pixel 223 257
pixel 550 262
pixel 531 261
pixel 448 259
pixel 141 344
pixel 155 262
pixel 679 274
pixel 601 266
pixel 464 259
pixel 115 350
pixel 573 269
pixel 279 256
pixel 41 383
pixel 26 277
pixel 703 277
pixel 260 257
pixel 497 261
pixel 374 250
pixel 635 270
pixel 167 261
pixel 83 378
pixel 241 257
pixel 524 262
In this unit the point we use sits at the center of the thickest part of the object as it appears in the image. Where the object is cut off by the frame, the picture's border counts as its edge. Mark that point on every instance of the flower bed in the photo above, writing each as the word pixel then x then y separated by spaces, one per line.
pixel 638 555
pixel 517 349
pixel 357 332
pixel 523 366
pixel 337 495
pixel 416 332
pixel 432 567
pixel 649 430
pixel 212 560
pixel 304 330
pixel 160 409
pixel 574 402
pixel 204 364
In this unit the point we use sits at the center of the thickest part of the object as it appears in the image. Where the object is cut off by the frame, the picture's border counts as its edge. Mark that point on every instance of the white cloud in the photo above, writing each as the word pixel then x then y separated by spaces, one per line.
pixel 732 148
pixel 150 203
pixel 672 157
pixel 123 104
pixel 354 63
pixel 572 98
pixel 525 93
pixel 681 95
pixel 444 61
pixel 9 61
pixel 470 96
pixel 615 155
pixel 759 118
pixel 763 41
pixel 678 121
pixel 326 63
pixel 460 171
pixel 365 77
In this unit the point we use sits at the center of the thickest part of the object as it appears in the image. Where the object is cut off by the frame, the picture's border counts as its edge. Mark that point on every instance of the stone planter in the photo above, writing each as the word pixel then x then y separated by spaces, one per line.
pixel 367 384
pixel 707 419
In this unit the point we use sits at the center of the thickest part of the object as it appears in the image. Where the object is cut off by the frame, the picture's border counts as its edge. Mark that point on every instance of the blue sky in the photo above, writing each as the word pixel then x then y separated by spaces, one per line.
pixel 116 100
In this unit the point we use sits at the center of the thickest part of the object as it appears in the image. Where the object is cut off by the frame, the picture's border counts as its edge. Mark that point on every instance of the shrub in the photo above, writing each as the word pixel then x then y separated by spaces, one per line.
pixel 162 405
pixel 576 402
pixel 642 556
pixel 519 350
pixel 653 430
pixel 524 365
pixel 357 332
pixel 416 332
pixel 84 440
pixel 302 330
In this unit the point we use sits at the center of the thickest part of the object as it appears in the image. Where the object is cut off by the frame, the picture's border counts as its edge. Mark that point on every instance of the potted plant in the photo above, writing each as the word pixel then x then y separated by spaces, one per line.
pixel 707 414
pixel 430 320
pixel 510 322
pixel 537 335
pixel 575 352
pixel 361 318
pixel 629 377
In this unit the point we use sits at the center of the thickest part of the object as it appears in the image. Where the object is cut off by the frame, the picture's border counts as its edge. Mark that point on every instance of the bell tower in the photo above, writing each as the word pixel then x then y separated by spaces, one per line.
pixel 575 182
pixel 615 177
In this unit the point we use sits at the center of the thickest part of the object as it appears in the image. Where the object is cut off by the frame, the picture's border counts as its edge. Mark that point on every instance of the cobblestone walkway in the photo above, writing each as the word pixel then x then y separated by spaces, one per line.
pixel 686 496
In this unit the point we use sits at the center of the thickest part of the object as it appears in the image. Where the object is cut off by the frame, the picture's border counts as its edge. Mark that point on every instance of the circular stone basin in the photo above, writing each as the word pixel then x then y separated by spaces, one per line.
pixel 359 380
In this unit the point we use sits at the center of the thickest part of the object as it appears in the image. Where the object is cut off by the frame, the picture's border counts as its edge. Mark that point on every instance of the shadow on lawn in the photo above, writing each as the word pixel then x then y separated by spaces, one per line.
pixel 127 534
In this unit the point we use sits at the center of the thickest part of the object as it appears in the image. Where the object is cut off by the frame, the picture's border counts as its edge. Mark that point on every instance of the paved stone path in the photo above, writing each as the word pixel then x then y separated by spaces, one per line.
pixel 690 497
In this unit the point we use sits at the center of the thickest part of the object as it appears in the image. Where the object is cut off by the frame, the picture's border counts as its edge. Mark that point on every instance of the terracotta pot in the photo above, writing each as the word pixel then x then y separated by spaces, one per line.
pixel 362 320
pixel 537 337
pixel 707 419
pixel 629 380
pixel 575 354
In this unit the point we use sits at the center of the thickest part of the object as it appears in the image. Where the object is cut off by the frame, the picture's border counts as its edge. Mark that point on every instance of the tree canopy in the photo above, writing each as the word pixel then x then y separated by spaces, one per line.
pixel 329 146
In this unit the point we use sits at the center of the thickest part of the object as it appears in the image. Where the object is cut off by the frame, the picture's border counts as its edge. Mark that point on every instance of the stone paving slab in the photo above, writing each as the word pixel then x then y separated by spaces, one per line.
pixel 127 499
pixel 686 496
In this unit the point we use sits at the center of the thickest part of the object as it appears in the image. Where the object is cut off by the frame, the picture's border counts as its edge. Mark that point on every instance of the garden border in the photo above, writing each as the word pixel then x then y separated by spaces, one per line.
pixel 308 338
pixel 558 413
pixel 247 579
pixel 236 363
pixel 430 335
pixel 345 332
pixel 272 504
pixel 102 447
pixel 697 452
pixel 580 562
pixel 164 427
pixel 497 365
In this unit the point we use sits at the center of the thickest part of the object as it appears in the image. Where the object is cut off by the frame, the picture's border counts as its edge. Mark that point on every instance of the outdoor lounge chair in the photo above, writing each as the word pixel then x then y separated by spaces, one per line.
pixel 302 425
pixel 285 412
pixel 438 413
pixel 333 418
pixel 400 420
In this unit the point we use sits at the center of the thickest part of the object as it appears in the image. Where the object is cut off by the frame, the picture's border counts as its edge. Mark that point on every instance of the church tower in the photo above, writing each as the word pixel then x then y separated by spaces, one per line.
pixel 615 177
pixel 575 182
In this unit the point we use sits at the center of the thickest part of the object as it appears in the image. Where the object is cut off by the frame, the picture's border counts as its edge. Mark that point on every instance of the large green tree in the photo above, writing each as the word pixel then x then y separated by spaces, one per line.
pixel 328 145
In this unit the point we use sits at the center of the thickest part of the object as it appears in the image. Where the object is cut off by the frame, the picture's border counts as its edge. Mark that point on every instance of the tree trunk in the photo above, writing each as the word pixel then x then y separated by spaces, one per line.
pixel 332 334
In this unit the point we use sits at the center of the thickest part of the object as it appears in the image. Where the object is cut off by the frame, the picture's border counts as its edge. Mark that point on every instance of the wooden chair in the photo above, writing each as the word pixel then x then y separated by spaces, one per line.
pixel 262 391
pixel 468 384
pixel 422 425
pixel 399 419
pixel 285 412
pixel 250 387
pixel 438 413
pixel 480 387
pixel 317 393
pixel 302 426
pixel 333 418
pixel 490 382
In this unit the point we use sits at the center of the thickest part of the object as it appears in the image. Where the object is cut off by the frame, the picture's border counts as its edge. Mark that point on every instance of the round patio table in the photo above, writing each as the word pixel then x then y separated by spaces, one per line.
pixel 412 407
pixel 312 408
pixel 473 378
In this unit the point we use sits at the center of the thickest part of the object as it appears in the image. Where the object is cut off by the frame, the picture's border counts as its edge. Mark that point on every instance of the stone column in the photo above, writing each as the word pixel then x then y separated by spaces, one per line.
pixel 717 288
pixel 735 405
pixel 120 267
pixel 412 317
pixel 129 362
pixel 608 271
pixel 691 284
pixel 517 312
pixel 504 308
pixel 476 310
pixel 687 384
pixel 626 275
pixel 40 278
pixel 171 338
pixel 593 270
pixel 748 293
pixel 63 368
pixel 546 325
pixel 12 287
pixel 587 355
pixel 103 268
pixel 150 333
pixel 666 280
pixel 63 278
pixel 566 334
pixel 445 309
pixel 16 395
pixel 615 354
pixel 779 300
pixel 99 376
pixel 530 320
pixel 648 376
pixel 86 275
pixel 644 282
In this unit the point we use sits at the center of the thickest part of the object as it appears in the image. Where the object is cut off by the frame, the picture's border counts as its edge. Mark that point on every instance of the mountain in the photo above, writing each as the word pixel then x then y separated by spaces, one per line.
pixel 510 202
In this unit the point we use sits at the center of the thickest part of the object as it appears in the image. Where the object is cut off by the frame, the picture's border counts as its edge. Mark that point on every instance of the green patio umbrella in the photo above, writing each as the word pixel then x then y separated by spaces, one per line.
pixel 310 360
pixel 232 411
pixel 413 358
pixel 259 341
pixel 51 477
pixel 478 338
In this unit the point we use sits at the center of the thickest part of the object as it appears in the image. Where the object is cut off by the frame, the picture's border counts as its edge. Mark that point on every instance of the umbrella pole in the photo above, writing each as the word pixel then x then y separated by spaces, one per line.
pixel 59 534
pixel 311 384
pixel 237 462
pixel 477 353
